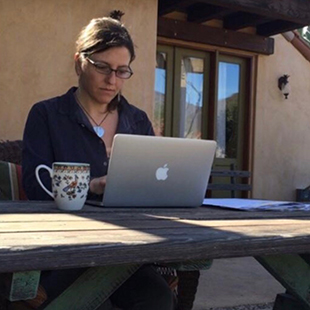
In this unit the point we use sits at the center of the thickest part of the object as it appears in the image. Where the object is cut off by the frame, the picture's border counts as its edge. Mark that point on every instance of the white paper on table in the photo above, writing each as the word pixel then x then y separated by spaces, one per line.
pixel 256 205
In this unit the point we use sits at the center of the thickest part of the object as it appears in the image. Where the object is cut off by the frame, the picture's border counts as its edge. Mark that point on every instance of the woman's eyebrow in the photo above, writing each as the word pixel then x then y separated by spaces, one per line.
pixel 101 62
pixel 106 63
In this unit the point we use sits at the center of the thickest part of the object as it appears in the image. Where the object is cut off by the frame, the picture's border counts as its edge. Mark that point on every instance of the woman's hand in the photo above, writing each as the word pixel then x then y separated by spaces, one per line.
pixel 97 185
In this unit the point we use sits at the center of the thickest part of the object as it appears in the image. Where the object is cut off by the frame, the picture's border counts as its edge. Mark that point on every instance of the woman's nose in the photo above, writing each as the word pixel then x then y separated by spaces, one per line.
pixel 111 78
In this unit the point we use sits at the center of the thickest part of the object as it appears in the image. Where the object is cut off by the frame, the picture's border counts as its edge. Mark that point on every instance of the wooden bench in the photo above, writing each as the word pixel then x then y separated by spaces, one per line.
pixel 11 151
pixel 231 180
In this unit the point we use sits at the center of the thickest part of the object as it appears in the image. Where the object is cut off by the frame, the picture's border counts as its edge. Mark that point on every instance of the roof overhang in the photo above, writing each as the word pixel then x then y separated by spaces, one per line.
pixel 266 17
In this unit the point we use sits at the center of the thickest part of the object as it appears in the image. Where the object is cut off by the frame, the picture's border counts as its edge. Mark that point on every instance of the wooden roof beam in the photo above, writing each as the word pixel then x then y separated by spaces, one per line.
pixel 290 10
pixel 201 12
pixel 274 27
pixel 242 20
pixel 168 6
pixel 192 32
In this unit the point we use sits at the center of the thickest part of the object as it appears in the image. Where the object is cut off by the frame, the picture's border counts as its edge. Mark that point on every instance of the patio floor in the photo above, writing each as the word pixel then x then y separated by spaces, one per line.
pixel 236 284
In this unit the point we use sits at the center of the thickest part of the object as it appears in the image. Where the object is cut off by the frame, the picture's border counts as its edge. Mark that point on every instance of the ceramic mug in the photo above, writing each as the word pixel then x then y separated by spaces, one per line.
pixel 70 184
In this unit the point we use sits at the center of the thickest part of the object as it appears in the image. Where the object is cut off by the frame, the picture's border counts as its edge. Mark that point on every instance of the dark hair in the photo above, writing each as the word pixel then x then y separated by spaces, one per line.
pixel 103 33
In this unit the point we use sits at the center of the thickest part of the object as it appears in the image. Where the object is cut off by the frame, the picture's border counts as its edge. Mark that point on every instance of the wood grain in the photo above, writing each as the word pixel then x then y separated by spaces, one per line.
pixel 37 236
pixel 192 32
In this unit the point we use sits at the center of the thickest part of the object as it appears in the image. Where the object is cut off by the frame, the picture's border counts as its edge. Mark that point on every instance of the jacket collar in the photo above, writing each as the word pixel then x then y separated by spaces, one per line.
pixel 128 118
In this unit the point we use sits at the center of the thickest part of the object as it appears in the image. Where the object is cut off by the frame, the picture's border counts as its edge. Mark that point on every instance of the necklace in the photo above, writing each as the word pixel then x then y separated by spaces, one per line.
pixel 98 129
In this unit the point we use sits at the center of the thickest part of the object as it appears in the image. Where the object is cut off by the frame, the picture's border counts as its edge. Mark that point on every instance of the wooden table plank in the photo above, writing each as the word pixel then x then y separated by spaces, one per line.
pixel 71 250
pixel 96 225
pixel 112 235
pixel 46 210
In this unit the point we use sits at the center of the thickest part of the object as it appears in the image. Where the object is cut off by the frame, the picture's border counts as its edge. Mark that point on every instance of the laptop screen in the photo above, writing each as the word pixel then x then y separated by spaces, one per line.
pixel 148 171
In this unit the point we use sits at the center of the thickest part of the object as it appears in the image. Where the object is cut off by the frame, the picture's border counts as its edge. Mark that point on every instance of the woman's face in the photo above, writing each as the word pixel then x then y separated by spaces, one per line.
pixel 99 87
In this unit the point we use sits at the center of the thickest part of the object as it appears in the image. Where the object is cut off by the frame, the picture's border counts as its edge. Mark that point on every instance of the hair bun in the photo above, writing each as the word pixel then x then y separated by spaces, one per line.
pixel 117 14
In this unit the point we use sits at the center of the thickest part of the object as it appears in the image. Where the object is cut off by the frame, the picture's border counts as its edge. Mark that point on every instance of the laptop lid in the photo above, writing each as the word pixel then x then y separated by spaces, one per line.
pixel 148 171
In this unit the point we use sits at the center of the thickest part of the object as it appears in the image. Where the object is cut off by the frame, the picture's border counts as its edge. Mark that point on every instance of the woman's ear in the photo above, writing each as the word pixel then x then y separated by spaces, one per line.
pixel 78 64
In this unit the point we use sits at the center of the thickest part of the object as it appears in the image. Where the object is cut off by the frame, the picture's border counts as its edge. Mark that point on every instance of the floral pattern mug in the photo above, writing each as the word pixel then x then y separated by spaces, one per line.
pixel 70 184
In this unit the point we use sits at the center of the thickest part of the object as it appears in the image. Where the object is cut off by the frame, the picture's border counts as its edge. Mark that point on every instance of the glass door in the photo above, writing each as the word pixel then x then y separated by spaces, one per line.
pixel 229 112
pixel 229 118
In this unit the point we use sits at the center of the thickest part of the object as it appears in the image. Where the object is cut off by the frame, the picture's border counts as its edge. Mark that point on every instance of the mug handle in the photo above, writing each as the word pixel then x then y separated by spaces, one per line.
pixel 38 177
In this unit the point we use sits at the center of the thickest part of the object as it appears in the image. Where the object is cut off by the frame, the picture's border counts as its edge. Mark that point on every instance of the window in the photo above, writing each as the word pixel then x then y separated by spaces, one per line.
pixel 227 110
pixel 163 91
pixel 305 33
pixel 191 95
pixel 202 95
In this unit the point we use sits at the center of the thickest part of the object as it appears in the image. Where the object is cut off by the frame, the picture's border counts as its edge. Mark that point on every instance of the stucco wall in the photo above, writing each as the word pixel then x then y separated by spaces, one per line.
pixel 37 44
pixel 282 131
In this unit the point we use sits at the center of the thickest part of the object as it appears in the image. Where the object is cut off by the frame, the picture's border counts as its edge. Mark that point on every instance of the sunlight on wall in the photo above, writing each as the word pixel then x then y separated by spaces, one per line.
pixel 282 133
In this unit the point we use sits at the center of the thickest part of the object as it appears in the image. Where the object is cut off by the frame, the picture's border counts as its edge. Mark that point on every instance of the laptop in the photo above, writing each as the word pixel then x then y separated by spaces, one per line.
pixel 151 171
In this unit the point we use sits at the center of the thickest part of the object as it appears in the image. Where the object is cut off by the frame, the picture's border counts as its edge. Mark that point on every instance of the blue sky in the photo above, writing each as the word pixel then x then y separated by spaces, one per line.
pixel 228 79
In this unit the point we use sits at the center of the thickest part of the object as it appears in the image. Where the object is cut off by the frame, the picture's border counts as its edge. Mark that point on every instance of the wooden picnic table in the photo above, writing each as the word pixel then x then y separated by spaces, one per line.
pixel 36 236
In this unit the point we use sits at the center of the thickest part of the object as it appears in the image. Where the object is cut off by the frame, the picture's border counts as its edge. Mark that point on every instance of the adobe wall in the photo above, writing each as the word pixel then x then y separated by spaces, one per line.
pixel 37 44
pixel 282 130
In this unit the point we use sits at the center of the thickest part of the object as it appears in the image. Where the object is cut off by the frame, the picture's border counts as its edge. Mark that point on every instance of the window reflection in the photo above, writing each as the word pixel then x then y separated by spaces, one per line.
pixel 227 110
pixel 191 97
pixel 160 93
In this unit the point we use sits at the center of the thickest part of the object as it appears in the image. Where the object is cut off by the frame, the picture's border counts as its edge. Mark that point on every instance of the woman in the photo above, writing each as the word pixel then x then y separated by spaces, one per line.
pixel 79 126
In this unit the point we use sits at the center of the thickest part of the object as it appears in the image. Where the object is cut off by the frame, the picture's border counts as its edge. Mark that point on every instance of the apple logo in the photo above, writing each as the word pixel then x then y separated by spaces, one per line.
pixel 161 173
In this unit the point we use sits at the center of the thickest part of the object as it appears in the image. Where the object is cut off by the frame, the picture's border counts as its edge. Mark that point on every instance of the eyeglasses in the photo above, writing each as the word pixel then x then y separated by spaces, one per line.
pixel 122 73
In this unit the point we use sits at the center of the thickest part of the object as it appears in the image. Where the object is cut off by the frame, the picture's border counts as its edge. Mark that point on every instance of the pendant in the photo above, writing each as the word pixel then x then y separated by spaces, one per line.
pixel 99 131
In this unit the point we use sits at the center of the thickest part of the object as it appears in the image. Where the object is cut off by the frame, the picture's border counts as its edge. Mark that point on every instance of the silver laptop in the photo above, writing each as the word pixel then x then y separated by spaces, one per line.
pixel 148 171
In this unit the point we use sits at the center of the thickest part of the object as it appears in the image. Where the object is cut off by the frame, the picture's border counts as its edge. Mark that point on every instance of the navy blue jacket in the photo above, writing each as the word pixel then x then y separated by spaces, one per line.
pixel 57 130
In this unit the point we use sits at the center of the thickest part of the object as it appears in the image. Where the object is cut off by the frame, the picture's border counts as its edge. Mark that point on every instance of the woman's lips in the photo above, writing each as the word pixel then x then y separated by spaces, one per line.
pixel 107 90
